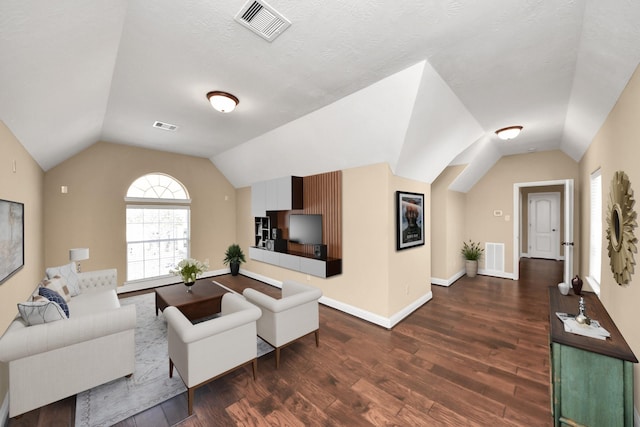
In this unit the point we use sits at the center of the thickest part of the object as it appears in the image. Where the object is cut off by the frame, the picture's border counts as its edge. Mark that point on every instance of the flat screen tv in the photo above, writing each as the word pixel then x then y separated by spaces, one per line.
pixel 305 229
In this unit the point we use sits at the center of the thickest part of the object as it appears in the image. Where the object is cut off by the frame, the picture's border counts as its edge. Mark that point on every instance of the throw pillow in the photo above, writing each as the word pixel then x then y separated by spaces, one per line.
pixel 59 285
pixel 39 311
pixel 52 295
pixel 69 274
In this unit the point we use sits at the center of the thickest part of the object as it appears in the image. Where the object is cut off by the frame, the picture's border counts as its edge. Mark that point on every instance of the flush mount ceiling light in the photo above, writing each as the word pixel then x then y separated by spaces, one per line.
pixel 222 101
pixel 508 132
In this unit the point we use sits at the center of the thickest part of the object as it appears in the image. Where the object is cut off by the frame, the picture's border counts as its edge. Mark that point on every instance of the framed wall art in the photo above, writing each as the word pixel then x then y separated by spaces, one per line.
pixel 11 238
pixel 409 220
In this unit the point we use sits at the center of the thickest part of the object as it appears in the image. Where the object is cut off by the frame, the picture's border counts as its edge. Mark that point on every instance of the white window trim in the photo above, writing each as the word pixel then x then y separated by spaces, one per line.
pixel 594 283
pixel 148 201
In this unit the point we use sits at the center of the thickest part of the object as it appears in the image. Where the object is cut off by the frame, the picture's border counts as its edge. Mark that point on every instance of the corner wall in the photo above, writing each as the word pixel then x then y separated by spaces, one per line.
pixel 447 227
pixel 495 192
pixel 375 278
pixel 93 212
pixel 25 186
pixel 615 147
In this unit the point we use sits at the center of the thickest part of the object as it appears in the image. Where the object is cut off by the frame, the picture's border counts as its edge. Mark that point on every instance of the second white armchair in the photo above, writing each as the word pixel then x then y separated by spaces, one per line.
pixel 205 351
pixel 285 320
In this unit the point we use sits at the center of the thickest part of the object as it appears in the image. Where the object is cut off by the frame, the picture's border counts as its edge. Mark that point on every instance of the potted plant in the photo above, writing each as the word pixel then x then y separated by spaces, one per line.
pixel 471 252
pixel 234 257
pixel 190 269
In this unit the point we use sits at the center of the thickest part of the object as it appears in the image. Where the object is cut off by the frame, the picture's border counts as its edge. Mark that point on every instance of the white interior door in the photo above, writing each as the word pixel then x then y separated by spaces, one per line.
pixel 544 225
pixel 519 227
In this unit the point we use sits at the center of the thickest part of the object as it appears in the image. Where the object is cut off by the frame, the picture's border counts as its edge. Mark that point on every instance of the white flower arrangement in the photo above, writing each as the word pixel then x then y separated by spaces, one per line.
pixel 189 269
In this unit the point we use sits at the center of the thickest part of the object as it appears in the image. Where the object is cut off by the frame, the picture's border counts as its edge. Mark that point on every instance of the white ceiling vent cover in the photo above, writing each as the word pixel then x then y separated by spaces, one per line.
pixel 262 19
pixel 165 126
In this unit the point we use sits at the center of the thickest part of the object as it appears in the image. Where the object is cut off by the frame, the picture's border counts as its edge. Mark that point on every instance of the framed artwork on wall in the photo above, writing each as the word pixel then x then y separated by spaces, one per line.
pixel 11 238
pixel 409 220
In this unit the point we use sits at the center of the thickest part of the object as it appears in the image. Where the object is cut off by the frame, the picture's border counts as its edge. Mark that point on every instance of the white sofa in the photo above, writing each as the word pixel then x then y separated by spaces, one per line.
pixel 207 350
pixel 50 361
pixel 293 316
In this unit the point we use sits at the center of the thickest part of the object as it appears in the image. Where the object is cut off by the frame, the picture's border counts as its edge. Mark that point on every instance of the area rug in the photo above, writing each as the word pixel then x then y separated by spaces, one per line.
pixel 150 384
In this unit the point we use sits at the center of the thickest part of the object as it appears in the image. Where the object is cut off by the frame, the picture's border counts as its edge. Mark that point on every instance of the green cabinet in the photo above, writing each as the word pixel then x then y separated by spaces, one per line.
pixel 591 379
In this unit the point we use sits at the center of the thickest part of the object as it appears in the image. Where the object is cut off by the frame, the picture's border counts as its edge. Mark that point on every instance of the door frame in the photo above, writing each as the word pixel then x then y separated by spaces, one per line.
pixel 555 195
pixel 568 223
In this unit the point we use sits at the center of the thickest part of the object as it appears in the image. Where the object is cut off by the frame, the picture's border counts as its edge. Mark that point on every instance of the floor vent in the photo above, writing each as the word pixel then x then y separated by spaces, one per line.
pixel 262 19
pixel 165 126
pixel 494 257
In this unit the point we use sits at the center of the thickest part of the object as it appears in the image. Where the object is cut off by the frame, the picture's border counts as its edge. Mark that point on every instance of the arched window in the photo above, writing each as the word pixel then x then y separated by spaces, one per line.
pixel 158 226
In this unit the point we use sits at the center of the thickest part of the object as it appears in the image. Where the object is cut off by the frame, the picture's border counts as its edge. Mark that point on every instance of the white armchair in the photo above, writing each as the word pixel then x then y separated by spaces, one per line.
pixel 285 320
pixel 206 351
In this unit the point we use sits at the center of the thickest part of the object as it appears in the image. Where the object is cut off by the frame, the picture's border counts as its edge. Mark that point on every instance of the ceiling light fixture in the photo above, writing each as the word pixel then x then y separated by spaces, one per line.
pixel 508 132
pixel 222 101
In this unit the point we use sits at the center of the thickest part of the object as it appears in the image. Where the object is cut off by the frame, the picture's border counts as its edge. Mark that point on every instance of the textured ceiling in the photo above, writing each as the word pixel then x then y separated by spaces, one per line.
pixel 417 84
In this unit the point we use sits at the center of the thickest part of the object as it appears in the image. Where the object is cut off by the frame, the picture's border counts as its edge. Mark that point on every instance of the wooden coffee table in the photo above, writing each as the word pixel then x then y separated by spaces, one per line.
pixel 203 300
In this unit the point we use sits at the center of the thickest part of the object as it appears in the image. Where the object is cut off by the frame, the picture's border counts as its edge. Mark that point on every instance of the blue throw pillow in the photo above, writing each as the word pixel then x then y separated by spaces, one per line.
pixel 52 295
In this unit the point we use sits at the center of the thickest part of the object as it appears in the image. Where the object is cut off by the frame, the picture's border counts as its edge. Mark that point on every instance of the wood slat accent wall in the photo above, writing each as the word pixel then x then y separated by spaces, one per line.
pixel 322 195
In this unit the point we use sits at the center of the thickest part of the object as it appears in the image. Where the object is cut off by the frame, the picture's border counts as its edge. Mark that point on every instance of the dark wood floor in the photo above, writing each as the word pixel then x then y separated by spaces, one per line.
pixel 477 355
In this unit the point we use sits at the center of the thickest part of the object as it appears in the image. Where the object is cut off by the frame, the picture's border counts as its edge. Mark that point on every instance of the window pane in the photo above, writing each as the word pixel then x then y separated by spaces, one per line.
pixel 160 232
pixel 151 267
pixel 157 186
pixel 135 270
pixel 161 237
pixel 135 232
pixel 135 252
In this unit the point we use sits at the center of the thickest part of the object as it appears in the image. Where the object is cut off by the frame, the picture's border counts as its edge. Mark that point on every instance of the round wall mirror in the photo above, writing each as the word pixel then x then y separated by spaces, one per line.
pixel 621 220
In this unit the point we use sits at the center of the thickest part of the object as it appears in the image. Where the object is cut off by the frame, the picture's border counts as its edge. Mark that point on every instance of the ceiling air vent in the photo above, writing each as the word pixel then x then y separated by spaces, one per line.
pixel 165 126
pixel 262 19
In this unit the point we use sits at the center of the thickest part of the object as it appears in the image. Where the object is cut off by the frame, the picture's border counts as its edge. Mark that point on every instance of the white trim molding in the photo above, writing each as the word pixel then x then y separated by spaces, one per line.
pixel 450 281
pixel 386 322
pixel 447 282
pixel 261 278
pixel 141 285
pixel 492 273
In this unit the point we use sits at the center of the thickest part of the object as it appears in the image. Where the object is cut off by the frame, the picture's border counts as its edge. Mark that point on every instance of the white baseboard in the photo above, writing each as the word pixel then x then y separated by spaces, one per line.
pixel 450 281
pixel 447 282
pixel 493 273
pixel 526 255
pixel 260 277
pixel 4 411
pixel 386 322
pixel 141 285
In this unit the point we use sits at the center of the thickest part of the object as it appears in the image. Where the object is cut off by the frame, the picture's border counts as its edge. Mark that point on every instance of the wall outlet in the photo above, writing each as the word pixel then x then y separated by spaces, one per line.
pixel 308 278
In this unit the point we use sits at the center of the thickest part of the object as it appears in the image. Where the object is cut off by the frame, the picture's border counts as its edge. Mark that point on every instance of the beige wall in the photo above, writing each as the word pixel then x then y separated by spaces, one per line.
pixel 616 147
pixel 375 277
pixel 409 269
pixel 92 213
pixel 447 225
pixel 25 186
pixel 495 191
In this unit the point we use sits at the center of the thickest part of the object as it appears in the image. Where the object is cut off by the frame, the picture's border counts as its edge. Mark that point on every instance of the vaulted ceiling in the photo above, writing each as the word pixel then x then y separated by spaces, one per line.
pixel 417 84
